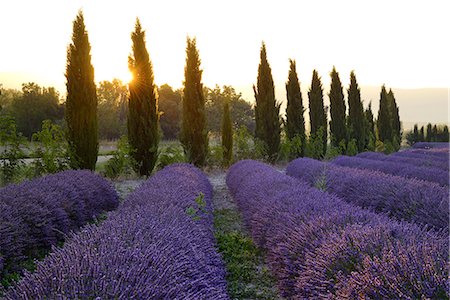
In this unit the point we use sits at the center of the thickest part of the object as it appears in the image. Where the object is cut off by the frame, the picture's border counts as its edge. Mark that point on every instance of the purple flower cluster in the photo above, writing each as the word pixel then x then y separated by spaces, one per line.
pixel 404 199
pixel 320 247
pixel 428 145
pixel 438 156
pixel 150 248
pixel 395 168
pixel 35 215
pixel 425 161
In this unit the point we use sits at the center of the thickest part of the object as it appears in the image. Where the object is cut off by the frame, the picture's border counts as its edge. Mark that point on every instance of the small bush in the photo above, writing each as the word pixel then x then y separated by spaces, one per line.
pixel 170 155
pixel 121 162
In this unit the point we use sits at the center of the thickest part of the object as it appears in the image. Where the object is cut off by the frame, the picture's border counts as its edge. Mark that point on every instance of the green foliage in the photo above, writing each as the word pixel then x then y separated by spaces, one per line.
pixel 379 146
pixel 395 121
pixel 357 119
pixel 352 148
pixel 143 115
pixel 11 144
pixel 267 110
pixel 314 147
pixel 384 123
pixel 170 155
pixel 52 152
pixel 215 156
pixel 369 129
pixel 389 147
pixel 332 152
pixel 338 128
pixel 81 103
pixel 242 142
pixel 242 113
pixel 121 162
pixel 295 122
pixel 227 135
pixel 317 116
pixel 321 182
pixel 200 204
pixel 290 149
pixel 169 106
pixel 194 135
pixel 112 109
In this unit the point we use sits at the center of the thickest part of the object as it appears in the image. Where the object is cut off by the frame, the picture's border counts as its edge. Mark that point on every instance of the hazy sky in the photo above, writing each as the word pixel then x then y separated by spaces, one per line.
pixel 403 44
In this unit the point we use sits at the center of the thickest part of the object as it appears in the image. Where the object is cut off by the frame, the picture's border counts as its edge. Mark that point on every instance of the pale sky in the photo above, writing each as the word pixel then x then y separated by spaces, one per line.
pixel 403 44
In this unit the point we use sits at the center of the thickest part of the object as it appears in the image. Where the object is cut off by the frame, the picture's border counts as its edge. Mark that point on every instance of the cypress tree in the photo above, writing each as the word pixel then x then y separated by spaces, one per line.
pixel 429 136
pixel 369 129
pixel 384 123
pixel 227 134
pixel 416 136
pixel 267 109
pixel 395 117
pixel 422 134
pixel 435 137
pixel 356 114
pixel 445 134
pixel 338 129
pixel 143 113
pixel 194 135
pixel 295 122
pixel 317 115
pixel 81 103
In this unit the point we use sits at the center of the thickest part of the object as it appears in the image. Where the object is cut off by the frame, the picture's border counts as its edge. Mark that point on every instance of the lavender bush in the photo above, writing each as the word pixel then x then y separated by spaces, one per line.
pixel 428 145
pixel 320 247
pixel 37 214
pixel 404 199
pixel 395 168
pixel 426 161
pixel 150 248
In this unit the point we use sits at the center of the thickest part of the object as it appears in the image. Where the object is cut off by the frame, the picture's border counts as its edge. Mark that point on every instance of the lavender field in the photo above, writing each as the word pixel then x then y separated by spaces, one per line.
pixel 372 226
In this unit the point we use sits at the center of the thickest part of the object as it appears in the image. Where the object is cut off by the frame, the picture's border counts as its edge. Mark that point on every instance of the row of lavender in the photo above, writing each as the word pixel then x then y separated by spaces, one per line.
pixel 150 248
pixel 38 214
pixel 319 246
pixel 412 200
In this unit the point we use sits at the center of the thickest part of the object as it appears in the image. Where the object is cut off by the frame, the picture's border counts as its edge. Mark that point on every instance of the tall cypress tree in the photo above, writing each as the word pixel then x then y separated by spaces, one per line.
pixel 369 129
pixel 384 123
pixel 395 117
pixel 81 103
pixel 416 136
pixel 422 134
pixel 356 114
pixel 227 134
pixel 267 110
pixel 194 135
pixel 295 122
pixel 317 115
pixel 338 128
pixel 143 113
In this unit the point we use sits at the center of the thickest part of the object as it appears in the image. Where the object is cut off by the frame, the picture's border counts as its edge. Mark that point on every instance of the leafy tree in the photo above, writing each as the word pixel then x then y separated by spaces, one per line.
pixel 112 109
pixel 169 105
pixel 194 135
pixel 35 105
pixel 242 113
pixel 338 129
pixel 384 122
pixel 81 103
pixel 227 135
pixel 369 129
pixel 11 144
pixel 267 109
pixel 356 114
pixel 317 114
pixel 295 122
pixel 143 113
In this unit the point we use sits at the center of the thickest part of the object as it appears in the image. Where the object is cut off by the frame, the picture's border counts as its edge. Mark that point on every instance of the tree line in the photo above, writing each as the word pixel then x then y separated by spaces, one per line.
pixel 434 133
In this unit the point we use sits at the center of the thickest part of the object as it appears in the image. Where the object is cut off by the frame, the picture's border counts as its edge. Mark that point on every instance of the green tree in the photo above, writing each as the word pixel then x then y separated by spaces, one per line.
pixel 81 103
pixel 112 109
pixel 356 114
pixel 422 134
pixel 429 136
pixel 384 123
pixel 295 122
pixel 267 110
pixel 445 134
pixel 143 113
pixel 369 129
pixel 435 131
pixel 194 135
pixel 169 105
pixel 395 120
pixel 227 134
pixel 317 114
pixel 338 129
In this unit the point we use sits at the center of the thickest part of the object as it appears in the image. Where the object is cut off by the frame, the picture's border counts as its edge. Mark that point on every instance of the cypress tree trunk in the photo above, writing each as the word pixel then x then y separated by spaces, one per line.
pixel 295 122
pixel 227 134
pixel 81 103
pixel 384 123
pixel 194 136
pixel 338 129
pixel 356 114
pixel 143 113
pixel 317 115
pixel 267 110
